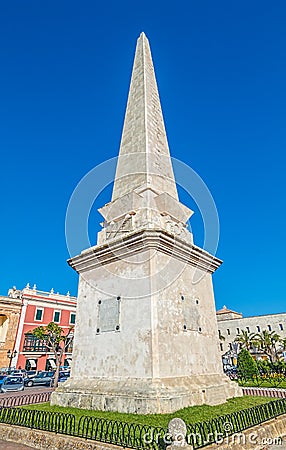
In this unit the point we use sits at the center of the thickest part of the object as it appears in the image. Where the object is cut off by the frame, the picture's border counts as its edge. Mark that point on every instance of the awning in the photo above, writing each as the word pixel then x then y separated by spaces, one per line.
pixel 69 361
pixel 52 362
pixel 32 363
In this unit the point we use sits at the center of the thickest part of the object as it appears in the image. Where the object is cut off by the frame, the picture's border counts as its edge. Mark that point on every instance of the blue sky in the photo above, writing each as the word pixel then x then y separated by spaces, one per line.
pixel 221 70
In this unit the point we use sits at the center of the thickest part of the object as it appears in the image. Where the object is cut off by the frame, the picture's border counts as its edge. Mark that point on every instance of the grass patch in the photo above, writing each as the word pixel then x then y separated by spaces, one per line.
pixel 190 415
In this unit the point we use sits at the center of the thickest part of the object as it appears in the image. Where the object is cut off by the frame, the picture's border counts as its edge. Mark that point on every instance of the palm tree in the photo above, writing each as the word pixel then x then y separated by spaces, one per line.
pixel 266 342
pixel 245 339
pixel 221 337
pixel 282 343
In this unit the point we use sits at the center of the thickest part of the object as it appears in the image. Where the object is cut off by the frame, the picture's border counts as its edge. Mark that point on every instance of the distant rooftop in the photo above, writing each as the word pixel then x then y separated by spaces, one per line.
pixel 225 310
pixel 28 291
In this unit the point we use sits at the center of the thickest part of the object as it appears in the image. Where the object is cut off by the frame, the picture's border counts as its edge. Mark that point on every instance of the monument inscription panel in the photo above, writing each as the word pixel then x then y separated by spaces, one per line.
pixel 108 314
pixel 191 315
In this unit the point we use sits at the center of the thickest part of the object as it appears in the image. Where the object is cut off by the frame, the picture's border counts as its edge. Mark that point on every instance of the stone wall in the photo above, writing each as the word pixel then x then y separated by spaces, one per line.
pixel 10 309
pixel 44 440
pixel 256 438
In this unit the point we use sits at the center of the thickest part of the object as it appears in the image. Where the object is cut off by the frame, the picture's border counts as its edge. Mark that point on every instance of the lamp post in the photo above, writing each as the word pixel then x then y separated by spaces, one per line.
pixel 11 355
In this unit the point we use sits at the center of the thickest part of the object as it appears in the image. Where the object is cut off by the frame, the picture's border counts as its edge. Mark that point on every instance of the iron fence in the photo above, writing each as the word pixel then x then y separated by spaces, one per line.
pixel 210 432
pixel 19 400
pixel 137 436
pixel 129 435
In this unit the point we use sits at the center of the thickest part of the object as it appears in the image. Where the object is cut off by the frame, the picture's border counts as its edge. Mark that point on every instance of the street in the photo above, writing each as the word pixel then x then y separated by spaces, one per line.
pixel 27 391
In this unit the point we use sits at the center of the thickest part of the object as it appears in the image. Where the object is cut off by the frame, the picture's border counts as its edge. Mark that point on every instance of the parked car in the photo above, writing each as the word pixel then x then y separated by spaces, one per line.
pixel 4 370
pixel 41 379
pixel 17 372
pixel 2 378
pixel 32 373
pixel 63 376
pixel 12 383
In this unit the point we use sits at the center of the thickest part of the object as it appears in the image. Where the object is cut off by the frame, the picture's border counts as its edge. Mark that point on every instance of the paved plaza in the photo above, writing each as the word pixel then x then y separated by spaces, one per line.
pixel 13 446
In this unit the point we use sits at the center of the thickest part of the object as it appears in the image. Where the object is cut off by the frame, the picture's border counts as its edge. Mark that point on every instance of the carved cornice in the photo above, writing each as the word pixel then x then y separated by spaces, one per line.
pixel 10 305
pixel 143 240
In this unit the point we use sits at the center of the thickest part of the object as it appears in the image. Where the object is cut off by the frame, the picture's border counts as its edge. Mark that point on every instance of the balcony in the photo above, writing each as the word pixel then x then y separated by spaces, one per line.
pixel 33 344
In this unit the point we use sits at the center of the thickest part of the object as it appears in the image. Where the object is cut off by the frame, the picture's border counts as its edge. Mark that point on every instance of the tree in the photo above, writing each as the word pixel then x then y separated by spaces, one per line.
pixel 267 342
pixel 264 366
pixel 245 339
pixel 246 366
pixel 221 337
pixel 57 341
pixel 282 343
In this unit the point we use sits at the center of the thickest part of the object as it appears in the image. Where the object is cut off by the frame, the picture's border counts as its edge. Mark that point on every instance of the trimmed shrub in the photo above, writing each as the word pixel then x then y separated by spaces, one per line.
pixel 246 366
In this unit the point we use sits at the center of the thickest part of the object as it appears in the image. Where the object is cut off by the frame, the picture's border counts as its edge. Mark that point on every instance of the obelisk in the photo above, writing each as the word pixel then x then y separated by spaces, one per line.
pixel 146 338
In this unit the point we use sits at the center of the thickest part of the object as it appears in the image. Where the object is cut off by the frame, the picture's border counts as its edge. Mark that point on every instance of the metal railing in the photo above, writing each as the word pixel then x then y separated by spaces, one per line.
pixel 137 436
pixel 97 429
pixel 21 400
pixel 210 432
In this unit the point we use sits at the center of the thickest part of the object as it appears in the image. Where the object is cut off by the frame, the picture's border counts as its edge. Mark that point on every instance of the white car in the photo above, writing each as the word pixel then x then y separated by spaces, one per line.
pixel 12 383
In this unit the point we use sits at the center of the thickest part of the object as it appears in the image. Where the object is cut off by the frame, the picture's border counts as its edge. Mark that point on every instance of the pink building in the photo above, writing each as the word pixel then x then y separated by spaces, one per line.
pixel 40 308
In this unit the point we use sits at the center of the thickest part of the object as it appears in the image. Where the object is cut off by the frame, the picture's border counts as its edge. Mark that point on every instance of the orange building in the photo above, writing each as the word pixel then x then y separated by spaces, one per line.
pixel 38 309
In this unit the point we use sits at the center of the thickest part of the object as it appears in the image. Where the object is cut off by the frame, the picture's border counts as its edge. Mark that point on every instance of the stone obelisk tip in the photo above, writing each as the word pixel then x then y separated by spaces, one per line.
pixel 144 157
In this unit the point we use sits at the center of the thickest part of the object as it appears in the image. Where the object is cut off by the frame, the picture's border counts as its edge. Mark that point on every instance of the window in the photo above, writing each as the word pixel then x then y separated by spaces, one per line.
pixel 31 366
pixel 221 347
pixel 269 327
pixel 258 328
pixel 39 314
pixel 248 329
pixel 50 365
pixel 72 318
pixel 57 316
pixel 238 330
pixel 228 331
pixel 281 327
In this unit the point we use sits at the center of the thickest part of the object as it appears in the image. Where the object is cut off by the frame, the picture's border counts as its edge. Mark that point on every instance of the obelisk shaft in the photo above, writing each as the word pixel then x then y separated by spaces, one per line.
pixel 144 157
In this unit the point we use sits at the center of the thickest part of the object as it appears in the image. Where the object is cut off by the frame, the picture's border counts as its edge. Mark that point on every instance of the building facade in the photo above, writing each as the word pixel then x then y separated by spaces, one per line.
pixel 10 310
pixel 231 324
pixel 39 308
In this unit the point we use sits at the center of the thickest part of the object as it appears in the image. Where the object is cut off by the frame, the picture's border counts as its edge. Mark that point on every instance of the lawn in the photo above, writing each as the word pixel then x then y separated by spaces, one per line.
pixel 189 415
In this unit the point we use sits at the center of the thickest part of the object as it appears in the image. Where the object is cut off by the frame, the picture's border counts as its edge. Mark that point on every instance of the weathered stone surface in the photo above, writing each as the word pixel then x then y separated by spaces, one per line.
pixel 144 396
pixel 44 440
pixel 10 308
pixel 144 139
pixel 260 437
pixel 163 354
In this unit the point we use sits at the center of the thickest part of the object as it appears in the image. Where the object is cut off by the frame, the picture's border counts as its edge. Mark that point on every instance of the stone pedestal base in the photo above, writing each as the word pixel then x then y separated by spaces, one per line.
pixel 145 396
